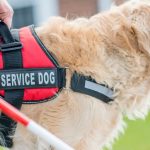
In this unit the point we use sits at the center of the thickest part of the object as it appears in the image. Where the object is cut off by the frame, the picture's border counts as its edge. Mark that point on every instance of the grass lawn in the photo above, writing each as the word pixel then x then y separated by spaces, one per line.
pixel 136 137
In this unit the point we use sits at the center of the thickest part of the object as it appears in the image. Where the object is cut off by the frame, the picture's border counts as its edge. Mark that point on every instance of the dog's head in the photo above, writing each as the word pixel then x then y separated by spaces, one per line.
pixel 125 31
pixel 113 47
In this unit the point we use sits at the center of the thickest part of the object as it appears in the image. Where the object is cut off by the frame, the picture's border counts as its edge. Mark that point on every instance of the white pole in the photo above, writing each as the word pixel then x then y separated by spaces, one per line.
pixel 38 130
pixel 48 137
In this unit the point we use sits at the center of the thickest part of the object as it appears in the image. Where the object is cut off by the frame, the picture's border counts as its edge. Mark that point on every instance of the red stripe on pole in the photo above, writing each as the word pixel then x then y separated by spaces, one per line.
pixel 13 113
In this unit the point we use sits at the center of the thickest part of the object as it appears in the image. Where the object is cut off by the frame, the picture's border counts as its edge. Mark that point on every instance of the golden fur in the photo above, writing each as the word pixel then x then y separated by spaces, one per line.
pixel 114 48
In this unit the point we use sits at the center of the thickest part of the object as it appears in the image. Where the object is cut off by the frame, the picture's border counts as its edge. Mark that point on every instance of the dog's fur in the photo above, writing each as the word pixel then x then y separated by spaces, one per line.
pixel 114 48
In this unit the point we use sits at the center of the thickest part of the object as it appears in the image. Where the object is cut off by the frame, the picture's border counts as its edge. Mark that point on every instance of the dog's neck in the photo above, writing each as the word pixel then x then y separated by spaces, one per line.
pixel 73 46
pixel 75 49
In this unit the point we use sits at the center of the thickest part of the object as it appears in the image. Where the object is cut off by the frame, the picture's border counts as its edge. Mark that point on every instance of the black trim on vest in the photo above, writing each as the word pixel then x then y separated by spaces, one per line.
pixel 12 58
pixel 48 54
pixel 87 85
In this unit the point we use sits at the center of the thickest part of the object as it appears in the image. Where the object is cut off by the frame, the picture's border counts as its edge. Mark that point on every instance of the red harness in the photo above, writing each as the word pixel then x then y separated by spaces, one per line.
pixel 34 55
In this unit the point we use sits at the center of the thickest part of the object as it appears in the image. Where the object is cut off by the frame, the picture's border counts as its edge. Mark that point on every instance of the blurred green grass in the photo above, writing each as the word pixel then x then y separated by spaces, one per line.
pixel 136 137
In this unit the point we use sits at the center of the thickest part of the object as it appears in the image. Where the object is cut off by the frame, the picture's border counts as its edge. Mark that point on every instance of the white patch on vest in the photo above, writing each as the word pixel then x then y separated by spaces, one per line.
pixel 27 79
pixel 13 80
pixel 46 78
pixel 3 81
pixel 17 79
pixel 32 79
pixel 8 80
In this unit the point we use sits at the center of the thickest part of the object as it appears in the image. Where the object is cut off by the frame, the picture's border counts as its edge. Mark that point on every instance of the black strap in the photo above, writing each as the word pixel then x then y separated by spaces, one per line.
pixel 86 85
pixel 12 58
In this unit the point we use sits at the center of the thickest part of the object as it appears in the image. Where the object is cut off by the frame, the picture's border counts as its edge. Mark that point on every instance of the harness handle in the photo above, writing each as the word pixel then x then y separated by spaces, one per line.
pixel 8 42
pixel 5 33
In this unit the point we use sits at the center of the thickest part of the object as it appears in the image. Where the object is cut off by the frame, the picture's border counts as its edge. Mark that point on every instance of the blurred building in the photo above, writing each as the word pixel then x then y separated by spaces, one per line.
pixel 28 12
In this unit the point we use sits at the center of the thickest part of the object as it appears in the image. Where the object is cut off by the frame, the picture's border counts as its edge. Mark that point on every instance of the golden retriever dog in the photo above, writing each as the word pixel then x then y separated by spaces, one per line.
pixel 113 47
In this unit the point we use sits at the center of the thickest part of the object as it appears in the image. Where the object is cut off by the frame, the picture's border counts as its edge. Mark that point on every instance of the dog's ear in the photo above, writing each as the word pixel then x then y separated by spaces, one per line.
pixel 125 35
pixel 138 17
pixel 140 22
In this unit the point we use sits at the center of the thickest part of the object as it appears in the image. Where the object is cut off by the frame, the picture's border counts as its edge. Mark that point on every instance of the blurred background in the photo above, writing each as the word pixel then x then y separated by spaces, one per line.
pixel 26 12
pixel 36 11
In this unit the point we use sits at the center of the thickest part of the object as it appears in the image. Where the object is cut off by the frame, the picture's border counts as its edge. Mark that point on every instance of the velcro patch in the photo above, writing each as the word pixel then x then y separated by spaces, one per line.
pixel 28 78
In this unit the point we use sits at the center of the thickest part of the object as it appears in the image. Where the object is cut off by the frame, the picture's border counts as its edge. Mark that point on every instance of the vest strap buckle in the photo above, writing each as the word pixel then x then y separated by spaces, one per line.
pixel 11 46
